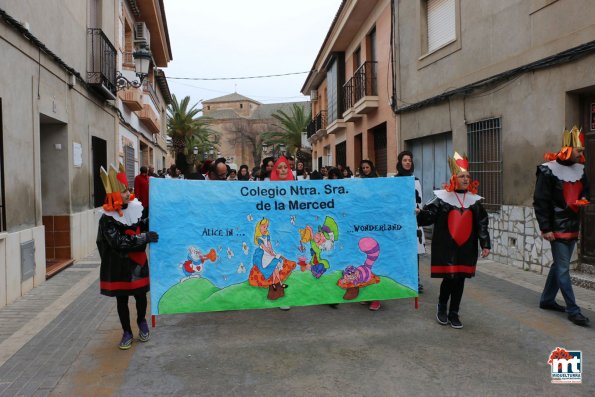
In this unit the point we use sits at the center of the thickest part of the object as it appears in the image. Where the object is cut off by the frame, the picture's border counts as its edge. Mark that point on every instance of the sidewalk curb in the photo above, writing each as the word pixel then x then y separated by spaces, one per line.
pixel 29 330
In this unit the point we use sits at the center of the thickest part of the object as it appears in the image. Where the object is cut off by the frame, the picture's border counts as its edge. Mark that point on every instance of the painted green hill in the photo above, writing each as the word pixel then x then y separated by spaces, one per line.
pixel 200 295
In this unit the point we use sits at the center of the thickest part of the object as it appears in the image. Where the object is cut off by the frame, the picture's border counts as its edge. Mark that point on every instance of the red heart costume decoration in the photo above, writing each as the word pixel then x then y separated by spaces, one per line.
pixel 572 192
pixel 139 257
pixel 459 225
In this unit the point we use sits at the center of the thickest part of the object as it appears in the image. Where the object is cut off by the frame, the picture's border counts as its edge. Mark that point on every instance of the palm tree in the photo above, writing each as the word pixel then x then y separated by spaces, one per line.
pixel 291 128
pixel 186 128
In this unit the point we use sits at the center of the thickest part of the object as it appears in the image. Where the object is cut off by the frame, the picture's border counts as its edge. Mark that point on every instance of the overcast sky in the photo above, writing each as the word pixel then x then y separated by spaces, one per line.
pixel 236 38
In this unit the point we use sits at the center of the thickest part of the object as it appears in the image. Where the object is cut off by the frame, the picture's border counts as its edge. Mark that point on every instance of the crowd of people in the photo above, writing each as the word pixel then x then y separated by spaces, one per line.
pixel 259 173
pixel 460 233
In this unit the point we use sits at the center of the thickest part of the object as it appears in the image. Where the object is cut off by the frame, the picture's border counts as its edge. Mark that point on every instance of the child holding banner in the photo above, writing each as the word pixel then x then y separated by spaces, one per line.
pixel 121 240
pixel 460 225
pixel 405 167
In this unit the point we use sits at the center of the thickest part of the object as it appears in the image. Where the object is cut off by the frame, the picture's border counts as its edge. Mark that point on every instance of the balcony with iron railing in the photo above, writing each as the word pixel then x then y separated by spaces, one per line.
pixel 101 63
pixel 348 101
pixel 149 89
pixel 317 126
pixel 361 91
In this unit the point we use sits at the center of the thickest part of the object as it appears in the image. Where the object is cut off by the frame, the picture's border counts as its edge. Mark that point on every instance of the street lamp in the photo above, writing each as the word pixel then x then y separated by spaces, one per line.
pixel 142 62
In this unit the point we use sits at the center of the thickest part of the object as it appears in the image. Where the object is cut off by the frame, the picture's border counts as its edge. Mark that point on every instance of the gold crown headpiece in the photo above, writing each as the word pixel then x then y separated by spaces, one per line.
pixel 458 163
pixel 573 138
pixel 570 139
pixel 114 182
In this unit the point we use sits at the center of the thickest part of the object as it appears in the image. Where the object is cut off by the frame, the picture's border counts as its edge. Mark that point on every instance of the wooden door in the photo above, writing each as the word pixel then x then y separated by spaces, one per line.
pixel 587 244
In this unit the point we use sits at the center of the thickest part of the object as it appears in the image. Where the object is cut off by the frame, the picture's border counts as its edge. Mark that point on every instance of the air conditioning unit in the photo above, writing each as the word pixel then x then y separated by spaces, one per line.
pixel 141 34
pixel 313 95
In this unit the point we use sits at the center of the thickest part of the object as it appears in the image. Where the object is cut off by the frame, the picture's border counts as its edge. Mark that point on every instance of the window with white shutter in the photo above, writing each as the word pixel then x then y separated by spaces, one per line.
pixel 441 22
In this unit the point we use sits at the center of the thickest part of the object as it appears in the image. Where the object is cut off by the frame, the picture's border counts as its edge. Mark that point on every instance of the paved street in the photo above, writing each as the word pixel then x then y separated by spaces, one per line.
pixel 61 340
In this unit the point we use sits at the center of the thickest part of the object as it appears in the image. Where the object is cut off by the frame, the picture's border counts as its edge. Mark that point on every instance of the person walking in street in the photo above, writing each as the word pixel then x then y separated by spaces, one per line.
pixel 265 169
pixel 560 189
pixel 217 172
pixel 281 170
pixel 122 238
pixel 460 225
pixel 367 169
pixel 335 173
pixel 405 167
pixel 141 189
pixel 244 173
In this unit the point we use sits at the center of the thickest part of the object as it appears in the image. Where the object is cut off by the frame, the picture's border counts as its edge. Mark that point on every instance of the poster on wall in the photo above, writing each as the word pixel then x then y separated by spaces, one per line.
pixel 77 154
pixel 245 245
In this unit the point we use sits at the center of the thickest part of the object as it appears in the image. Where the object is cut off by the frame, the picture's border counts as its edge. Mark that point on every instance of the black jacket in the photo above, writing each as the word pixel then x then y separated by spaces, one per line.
pixel 124 267
pixel 449 258
pixel 554 200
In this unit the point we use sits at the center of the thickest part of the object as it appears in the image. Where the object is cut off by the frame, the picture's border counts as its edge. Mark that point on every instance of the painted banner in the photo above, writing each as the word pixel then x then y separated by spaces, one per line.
pixel 247 245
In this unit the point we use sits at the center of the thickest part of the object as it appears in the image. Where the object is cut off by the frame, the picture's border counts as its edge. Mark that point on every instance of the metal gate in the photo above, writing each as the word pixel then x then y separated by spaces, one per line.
pixel 429 156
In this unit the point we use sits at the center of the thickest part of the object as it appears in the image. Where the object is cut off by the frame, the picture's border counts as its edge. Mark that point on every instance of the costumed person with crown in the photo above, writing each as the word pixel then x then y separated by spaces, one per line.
pixel 122 239
pixel 560 189
pixel 460 225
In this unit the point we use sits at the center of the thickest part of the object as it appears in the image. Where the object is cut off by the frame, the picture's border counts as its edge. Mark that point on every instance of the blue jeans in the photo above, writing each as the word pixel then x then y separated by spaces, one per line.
pixel 559 276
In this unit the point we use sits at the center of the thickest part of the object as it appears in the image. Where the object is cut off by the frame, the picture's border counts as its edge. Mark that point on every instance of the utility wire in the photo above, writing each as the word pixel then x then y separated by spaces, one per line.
pixel 237 78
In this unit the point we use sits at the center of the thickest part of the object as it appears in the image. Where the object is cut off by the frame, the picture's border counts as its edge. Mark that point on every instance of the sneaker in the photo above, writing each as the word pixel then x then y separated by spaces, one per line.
pixel 453 319
pixel 441 317
pixel 143 331
pixel 552 306
pixel 374 306
pixel 578 319
pixel 286 308
pixel 126 341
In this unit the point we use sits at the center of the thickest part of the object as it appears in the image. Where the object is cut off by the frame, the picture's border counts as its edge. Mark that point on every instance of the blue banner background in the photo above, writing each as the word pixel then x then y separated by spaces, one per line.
pixel 222 216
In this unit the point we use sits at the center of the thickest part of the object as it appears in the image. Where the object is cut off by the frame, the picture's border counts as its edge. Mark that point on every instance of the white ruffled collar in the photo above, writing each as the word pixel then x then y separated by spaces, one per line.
pixel 451 198
pixel 566 173
pixel 130 216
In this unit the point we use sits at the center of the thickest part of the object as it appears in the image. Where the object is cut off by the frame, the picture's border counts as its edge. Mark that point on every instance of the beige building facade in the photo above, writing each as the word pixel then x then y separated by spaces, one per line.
pixel 60 117
pixel 499 81
pixel 240 122
pixel 349 88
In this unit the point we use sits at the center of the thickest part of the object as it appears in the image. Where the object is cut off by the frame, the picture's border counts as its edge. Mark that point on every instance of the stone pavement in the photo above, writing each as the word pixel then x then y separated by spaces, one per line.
pixel 61 340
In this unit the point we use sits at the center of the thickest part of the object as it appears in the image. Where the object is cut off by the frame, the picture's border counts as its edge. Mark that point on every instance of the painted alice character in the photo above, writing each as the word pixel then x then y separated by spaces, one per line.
pixel 460 229
pixel 267 260
pixel 269 268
